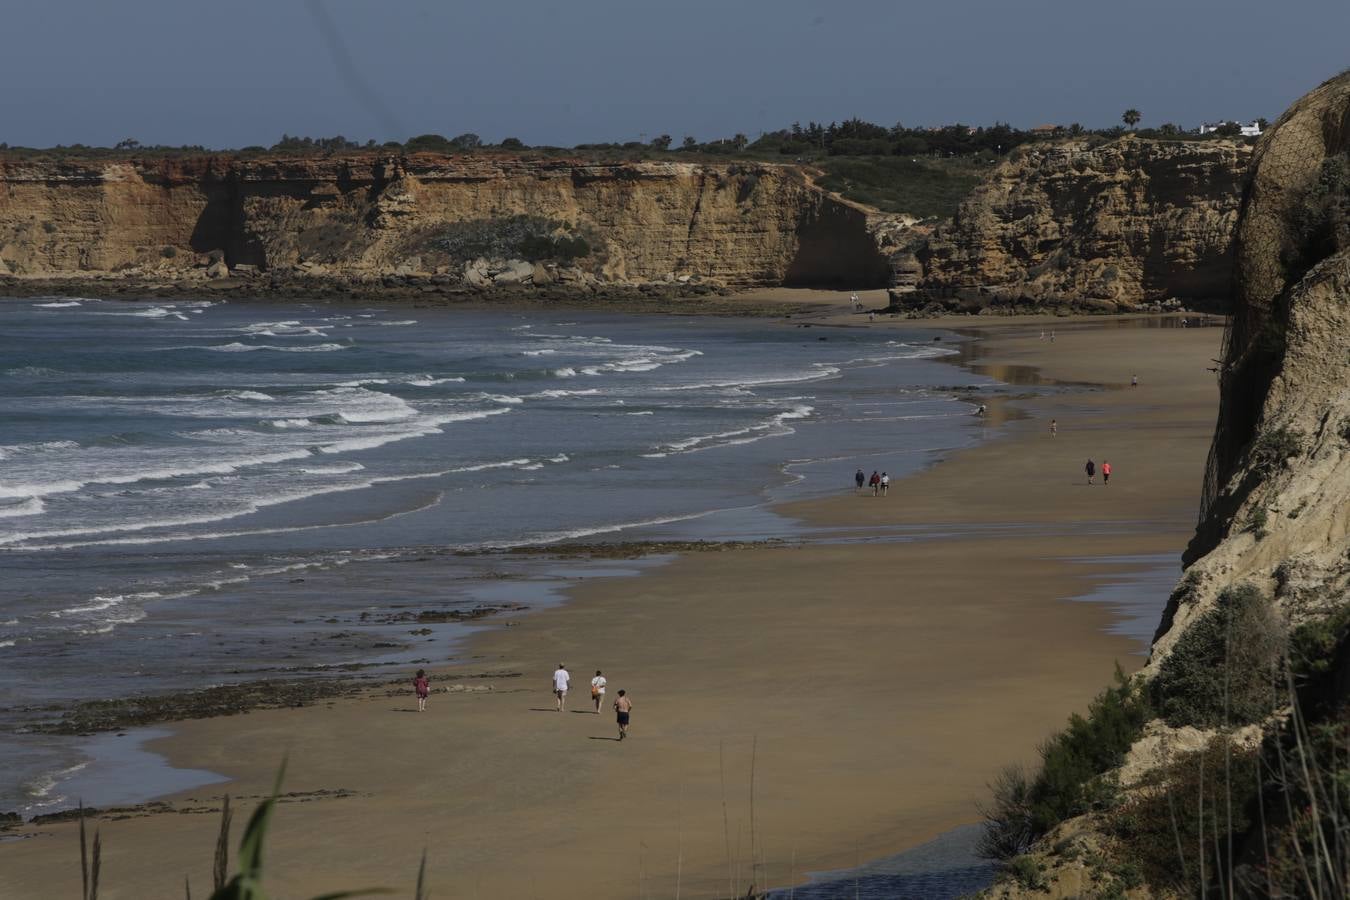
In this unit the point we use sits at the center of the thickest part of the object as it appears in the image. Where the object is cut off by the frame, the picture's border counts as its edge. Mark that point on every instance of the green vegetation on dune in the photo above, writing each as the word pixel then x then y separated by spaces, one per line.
pixel 921 186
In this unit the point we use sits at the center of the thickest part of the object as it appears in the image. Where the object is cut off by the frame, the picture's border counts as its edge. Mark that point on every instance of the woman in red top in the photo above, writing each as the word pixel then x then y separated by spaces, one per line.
pixel 423 687
pixel 1106 472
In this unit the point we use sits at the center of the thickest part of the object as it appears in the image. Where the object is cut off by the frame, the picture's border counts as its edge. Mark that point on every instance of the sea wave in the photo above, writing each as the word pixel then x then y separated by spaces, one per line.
pixel 237 347
pixel 31 506
pixel 774 426
pixel 818 372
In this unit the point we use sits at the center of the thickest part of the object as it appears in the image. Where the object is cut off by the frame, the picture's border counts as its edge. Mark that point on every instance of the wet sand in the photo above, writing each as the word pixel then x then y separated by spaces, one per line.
pixel 867 690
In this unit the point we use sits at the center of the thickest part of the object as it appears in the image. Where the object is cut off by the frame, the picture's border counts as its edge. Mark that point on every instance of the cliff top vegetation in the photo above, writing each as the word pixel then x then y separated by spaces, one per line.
pixel 921 171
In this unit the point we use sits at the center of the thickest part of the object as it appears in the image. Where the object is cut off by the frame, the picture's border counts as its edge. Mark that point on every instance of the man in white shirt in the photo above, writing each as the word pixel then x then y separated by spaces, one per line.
pixel 561 679
pixel 598 689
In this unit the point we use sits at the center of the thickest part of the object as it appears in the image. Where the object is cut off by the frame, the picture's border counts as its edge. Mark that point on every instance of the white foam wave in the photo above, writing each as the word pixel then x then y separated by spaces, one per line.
pixel 428 381
pixel 337 468
pixel 819 372
pixel 774 426
pixel 32 506
pixel 237 347
pixel 560 394
pixel 58 304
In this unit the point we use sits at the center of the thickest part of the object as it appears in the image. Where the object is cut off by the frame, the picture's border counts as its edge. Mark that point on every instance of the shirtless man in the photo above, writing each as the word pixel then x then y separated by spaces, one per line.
pixel 622 707
pixel 561 679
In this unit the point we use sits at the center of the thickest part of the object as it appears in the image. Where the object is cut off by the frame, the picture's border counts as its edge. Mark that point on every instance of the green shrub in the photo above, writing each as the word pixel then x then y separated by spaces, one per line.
pixel 1313 645
pixel 1071 777
pixel 1273 448
pixel 1224 667
pixel 1257 521
pixel 1160 828
pixel 168 252
pixel 1008 830
pixel 49 227
pixel 1027 872
pixel 1073 761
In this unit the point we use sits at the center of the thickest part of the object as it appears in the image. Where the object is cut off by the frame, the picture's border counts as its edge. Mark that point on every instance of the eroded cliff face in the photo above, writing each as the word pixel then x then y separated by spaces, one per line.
pixel 1117 226
pixel 1274 528
pixel 733 225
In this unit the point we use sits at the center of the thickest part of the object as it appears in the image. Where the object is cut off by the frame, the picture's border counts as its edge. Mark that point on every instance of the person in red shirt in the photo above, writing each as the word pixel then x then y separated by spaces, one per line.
pixel 1106 472
pixel 423 687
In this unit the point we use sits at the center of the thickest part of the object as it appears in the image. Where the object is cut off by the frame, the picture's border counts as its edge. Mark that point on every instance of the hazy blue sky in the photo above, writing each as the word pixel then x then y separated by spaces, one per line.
pixel 229 74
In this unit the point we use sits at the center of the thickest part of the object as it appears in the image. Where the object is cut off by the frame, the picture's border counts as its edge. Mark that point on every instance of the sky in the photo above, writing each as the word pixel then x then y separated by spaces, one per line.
pixel 246 71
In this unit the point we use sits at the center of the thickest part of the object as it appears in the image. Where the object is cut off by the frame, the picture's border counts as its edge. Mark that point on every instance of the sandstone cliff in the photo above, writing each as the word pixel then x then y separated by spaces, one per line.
pixel 473 221
pixel 1116 226
pixel 1252 658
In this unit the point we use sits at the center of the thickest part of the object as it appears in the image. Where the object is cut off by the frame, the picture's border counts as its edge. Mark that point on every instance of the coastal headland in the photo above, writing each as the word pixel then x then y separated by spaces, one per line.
pixel 797 708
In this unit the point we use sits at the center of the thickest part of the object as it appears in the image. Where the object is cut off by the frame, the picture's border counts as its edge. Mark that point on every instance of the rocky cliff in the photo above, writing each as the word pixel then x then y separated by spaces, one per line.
pixel 1117 226
pixel 471 221
pixel 1248 683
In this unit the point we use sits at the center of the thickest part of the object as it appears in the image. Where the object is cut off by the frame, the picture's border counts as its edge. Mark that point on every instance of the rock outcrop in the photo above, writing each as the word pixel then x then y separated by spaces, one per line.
pixel 1117 226
pixel 1275 529
pixel 371 217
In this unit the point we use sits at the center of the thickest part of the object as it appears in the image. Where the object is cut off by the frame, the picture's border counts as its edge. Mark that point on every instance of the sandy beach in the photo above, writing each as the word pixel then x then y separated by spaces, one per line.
pixel 796 708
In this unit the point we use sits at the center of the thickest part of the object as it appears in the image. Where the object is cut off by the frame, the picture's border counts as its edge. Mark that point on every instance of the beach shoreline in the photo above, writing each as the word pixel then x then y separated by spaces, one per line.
pixel 838 811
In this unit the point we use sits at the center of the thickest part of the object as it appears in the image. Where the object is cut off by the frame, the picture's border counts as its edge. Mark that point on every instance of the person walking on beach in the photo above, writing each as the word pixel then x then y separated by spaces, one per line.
pixel 1054 428
pixel 885 483
pixel 422 687
pixel 561 679
pixel 1106 471
pixel 598 689
pixel 1090 469
pixel 1134 381
pixel 875 482
pixel 622 709
pixel 859 479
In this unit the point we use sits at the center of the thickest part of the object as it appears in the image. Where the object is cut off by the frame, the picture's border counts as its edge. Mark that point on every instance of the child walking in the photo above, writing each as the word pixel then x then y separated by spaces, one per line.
pixel 423 687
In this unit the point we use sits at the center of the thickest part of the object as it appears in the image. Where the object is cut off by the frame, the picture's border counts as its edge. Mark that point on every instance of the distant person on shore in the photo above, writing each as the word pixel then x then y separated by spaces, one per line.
pixel 561 679
pixel 874 482
pixel 1052 337
pixel 981 410
pixel 885 483
pixel 598 689
pixel 1090 469
pixel 623 707
pixel 422 687
pixel 1106 471
pixel 859 479
pixel 1134 381
pixel 1054 428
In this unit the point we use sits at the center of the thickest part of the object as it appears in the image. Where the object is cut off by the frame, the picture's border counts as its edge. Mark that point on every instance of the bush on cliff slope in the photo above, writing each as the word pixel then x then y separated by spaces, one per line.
pixel 1226 668
pixel 1069 781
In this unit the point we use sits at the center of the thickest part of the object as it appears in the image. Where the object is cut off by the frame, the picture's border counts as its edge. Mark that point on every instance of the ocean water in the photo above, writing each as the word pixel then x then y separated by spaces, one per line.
pixel 194 493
